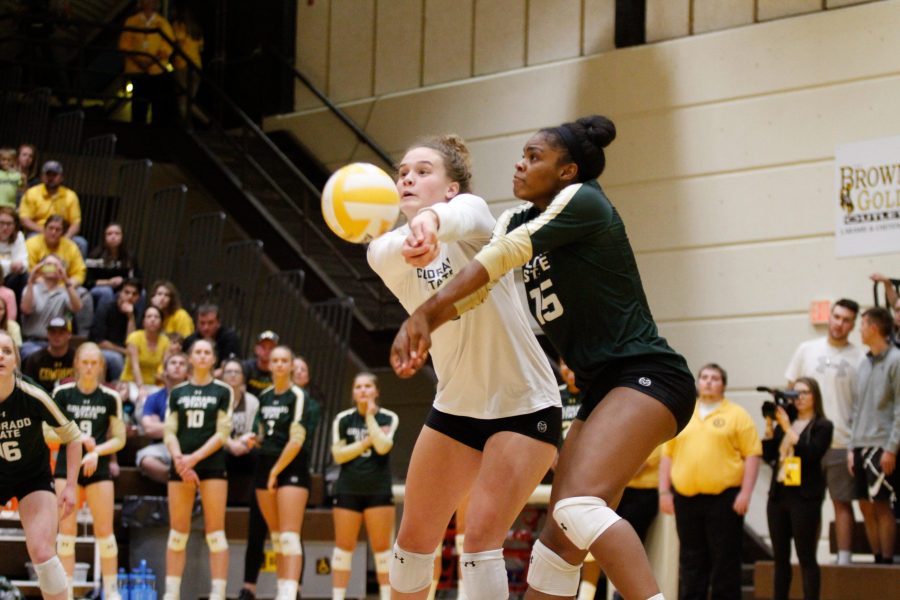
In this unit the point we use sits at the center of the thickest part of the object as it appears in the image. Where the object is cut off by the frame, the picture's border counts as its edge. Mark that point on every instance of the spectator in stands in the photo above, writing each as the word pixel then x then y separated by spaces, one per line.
pixel 48 366
pixel 109 265
pixel 164 296
pixel 13 253
pixel 146 64
pixel 9 297
pixel 52 241
pixel 209 327
pixel 113 323
pixel 146 349
pixel 48 294
pixel 154 460
pixel 256 369
pixel 794 450
pixel 239 459
pixel 9 325
pixel 875 433
pixel 832 360
pixel 189 38
pixel 893 301
pixel 10 178
pixel 706 477
pixel 51 197
pixel 26 163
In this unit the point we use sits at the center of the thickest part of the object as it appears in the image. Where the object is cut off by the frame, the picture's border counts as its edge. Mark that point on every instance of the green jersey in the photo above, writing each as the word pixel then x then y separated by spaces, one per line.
pixel 197 408
pixel 23 452
pixel 583 284
pixel 369 473
pixel 276 414
pixel 91 412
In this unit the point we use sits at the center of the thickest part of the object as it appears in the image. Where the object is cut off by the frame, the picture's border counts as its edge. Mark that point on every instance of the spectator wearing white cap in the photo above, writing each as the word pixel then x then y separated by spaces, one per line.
pixel 48 366
pixel 258 376
pixel 51 197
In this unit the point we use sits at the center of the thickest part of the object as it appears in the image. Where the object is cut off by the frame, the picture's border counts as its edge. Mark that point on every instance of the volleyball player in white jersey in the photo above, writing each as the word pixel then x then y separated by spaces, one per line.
pixel 492 430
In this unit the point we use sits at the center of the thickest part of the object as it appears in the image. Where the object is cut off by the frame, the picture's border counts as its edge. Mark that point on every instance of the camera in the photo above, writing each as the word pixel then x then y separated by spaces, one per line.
pixel 783 398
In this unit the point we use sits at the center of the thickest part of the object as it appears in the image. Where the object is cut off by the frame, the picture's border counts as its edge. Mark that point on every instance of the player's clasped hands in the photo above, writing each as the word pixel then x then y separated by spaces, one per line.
pixel 421 246
pixel 185 469
pixel 410 348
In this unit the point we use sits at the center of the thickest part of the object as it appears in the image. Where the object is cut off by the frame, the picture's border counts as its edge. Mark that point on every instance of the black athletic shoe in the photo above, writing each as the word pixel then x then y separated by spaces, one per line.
pixel 246 594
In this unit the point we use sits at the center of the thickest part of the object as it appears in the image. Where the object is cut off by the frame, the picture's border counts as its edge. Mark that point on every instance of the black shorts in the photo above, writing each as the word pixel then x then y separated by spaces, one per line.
pixel 101 474
pixel 202 473
pixel 20 489
pixel 295 474
pixel 544 425
pixel 360 502
pixel 871 482
pixel 657 378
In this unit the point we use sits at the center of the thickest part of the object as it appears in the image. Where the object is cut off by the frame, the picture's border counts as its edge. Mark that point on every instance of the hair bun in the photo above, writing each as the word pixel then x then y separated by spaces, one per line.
pixel 598 129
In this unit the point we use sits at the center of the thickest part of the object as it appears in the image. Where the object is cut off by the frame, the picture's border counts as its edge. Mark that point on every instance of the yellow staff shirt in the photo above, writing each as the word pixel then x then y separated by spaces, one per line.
pixel 150 43
pixel 708 456
pixel 647 478
pixel 67 251
pixel 38 204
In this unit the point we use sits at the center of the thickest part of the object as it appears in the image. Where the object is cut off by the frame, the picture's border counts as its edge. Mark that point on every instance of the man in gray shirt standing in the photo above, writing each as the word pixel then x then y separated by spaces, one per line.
pixel 875 433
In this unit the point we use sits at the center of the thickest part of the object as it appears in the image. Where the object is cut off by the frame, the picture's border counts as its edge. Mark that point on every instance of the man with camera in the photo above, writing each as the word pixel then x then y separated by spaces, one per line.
pixel 875 433
pixel 832 361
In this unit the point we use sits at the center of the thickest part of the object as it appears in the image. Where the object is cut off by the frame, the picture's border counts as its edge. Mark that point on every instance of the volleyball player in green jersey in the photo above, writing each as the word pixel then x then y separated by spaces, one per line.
pixel 283 425
pixel 25 466
pixel 585 292
pixel 362 438
pixel 198 423
pixel 97 410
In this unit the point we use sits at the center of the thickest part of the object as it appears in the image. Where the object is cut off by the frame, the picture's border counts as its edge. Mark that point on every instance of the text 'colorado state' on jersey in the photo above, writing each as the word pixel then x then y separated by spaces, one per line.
pixel 197 408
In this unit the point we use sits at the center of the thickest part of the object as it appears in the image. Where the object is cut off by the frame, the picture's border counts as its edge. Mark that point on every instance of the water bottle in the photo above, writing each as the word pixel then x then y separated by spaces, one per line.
pixel 137 584
pixel 123 584
pixel 150 583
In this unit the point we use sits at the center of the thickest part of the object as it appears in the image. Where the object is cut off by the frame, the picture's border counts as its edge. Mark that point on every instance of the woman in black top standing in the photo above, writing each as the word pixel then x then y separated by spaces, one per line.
pixel 794 450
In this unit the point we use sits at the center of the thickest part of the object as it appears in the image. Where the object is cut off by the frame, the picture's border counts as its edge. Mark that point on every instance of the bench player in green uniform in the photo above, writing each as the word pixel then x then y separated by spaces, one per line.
pixel 25 467
pixel 585 292
pixel 362 437
pixel 198 423
pixel 284 424
pixel 97 410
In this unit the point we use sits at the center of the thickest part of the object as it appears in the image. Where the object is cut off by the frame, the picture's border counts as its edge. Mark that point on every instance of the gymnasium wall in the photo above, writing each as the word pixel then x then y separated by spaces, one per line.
pixel 723 168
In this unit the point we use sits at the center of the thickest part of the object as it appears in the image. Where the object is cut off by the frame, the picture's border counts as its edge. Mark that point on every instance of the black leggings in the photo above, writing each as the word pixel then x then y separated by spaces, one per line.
pixel 799 519
pixel 257 530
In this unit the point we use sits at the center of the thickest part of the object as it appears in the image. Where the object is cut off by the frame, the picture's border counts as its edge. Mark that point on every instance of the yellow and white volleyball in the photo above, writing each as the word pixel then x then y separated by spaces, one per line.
pixel 360 202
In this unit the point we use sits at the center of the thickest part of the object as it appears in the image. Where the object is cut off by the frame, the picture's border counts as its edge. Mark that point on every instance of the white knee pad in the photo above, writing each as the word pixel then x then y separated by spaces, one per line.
pixel 484 575
pixel 290 544
pixel 65 545
pixel 341 560
pixel 177 540
pixel 583 519
pixel 51 576
pixel 550 574
pixel 108 547
pixel 275 538
pixel 411 572
pixel 217 542
pixel 383 561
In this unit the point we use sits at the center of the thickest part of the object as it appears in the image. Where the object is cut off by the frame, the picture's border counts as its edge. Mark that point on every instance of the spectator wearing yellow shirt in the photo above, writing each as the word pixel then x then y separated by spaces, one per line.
pixel 147 62
pixel 706 478
pixel 146 350
pixel 189 38
pixel 164 296
pixel 51 197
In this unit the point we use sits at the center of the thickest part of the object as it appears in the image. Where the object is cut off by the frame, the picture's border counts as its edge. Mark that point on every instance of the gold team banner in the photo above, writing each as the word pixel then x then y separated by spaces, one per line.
pixel 867 202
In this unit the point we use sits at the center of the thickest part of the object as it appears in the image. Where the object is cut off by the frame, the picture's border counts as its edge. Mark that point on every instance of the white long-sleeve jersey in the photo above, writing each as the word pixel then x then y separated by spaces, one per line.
pixel 488 362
